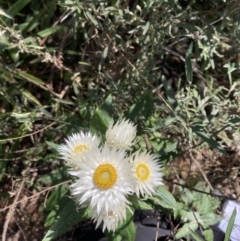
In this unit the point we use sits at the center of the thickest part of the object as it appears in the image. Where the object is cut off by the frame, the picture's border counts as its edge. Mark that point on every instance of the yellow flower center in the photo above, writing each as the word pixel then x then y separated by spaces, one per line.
pixel 105 176
pixel 142 171
pixel 80 148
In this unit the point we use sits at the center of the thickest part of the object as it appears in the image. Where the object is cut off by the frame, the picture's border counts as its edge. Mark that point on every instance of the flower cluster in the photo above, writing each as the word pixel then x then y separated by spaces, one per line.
pixel 105 175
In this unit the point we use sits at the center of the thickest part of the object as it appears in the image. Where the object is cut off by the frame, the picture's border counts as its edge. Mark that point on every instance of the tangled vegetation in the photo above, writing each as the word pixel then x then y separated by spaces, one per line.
pixel 171 67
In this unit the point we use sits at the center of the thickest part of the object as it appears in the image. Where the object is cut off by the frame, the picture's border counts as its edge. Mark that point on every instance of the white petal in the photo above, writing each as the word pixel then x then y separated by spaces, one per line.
pixel 121 135
pixel 148 186
pixel 71 154
pixel 103 200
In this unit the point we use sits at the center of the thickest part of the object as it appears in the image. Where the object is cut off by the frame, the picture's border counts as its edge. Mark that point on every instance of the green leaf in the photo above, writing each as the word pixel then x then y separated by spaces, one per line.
pixel 2 169
pixel 125 231
pixel 30 78
pixel 191 216
pixel 33 23
pixel 53 145
pixel 205 204
pixel 101 118
pixel 17 7
pixel 237 30
pixel 68 216
pixel 49 31
pixel 196 236
pixel 165 199
pixel 55 176
pixel 113 236
pixel 210 219
pixel 188 63
pixel 14 53
pixel 168 121
pixel 235 120
pixel 146 27
pixel 169 92
pixel 231 67
pixel 211 141
pixel 138 203
pixel 128 229
pixel 30 97
pixel 98 125
pixel 237 34
pixel 84 63
pixel 186 229
pixel 107 109
pixel 208 234
pixel 103 58
pixel 168 146
pixel 230 225
pixel 3 46
pixel 55 202
pixel 92 18
pixel 144 106
pixel 4 13
pixel 67 102
pixel 168 150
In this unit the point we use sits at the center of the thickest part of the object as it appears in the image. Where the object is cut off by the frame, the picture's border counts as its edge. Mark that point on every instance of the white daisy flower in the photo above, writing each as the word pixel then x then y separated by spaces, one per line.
pixel 104 179
pixel 112 219
pixel 76 146
pixel 146 173
pixel 121 134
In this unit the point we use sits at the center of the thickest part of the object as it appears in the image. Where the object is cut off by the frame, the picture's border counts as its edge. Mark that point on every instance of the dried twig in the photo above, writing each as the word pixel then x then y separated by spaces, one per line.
pixel 21 231
pixel 34 195
pixel 20 137
pixel 200 169
pixel 11 211
pixel 200 191
pixel 148 145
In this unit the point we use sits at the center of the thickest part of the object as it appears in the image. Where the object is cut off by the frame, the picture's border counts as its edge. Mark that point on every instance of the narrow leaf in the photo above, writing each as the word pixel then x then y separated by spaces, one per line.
pixel 4 13
pixel 211 141
pixel 56 176
pixel 92 19
pixel 165 199
pixel 230 225
pixel 104 56
pixel 208 234
pixel 30 97
pixel 67 217
pixel 128 229
pixel 98 125
pixel 188 63
pixel 146 27
pixel 53 145
pixel 169 92
pixel 237 30
pixel 67 102
pixel 30 78
pixel 138 203
pixel 102 117
pixel 17 7
pixel 196 236
pixel 235 120
pixel 186 229
pixel 144 106
pixel 49 31
pixel 107 109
